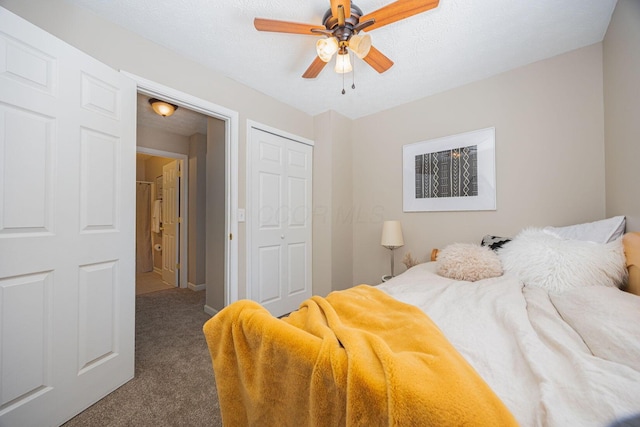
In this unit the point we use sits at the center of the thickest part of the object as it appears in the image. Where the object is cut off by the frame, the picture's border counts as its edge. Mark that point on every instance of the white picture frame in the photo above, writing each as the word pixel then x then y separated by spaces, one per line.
pixel 452 173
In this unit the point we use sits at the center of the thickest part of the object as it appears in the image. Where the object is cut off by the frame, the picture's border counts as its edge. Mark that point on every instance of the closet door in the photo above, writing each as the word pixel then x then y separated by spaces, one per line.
pixel 67 232
pixel 280 217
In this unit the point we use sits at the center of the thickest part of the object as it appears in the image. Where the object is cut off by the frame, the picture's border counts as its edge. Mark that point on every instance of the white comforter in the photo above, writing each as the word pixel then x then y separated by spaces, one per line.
pixel 554 360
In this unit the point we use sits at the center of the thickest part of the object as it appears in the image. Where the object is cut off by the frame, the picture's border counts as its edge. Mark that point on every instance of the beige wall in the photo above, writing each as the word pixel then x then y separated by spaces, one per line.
pixel 197 209
pixel 161 140
pixel 342 209
pixel 549 158
pixel 322 205
pixel 140 169
pixel 332 203
pixel 622 112
pixel 215 214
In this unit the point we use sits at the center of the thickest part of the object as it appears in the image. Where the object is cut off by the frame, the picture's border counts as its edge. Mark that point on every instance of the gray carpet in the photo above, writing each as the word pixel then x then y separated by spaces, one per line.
pixel 173 384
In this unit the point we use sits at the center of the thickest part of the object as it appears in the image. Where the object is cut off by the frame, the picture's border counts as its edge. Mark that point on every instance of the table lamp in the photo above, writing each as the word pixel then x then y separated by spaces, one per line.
pixel 391 239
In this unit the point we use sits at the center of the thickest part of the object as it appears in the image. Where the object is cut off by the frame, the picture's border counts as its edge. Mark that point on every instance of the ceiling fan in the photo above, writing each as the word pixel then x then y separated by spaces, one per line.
pixel 342 26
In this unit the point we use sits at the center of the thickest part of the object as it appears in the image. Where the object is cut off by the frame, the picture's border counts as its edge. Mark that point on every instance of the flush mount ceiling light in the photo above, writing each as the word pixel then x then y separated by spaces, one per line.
pixel 162 108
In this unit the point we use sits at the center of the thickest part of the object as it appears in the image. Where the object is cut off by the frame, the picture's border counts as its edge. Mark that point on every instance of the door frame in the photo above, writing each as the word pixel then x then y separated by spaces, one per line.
pixel 231 120
pixel 184 206
pixel 251 124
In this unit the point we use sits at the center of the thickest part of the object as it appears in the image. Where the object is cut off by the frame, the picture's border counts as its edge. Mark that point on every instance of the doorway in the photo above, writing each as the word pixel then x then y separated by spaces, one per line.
pixel 224 215
pixel 171 156
pixel 157 240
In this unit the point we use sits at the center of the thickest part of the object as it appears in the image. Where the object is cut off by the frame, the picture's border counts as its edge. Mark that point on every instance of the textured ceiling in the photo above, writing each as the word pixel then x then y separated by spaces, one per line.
pixel 182 122
pixel 459 42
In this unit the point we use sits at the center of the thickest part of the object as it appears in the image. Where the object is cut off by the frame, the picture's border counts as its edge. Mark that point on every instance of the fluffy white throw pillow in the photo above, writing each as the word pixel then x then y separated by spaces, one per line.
pixel 541 258
pixel 468 261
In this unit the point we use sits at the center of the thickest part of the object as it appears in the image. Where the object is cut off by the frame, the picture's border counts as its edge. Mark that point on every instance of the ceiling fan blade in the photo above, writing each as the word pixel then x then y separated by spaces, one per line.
pixel 275 26
pixel 398 10
pixel 346 4
pixel 377 60
pixel 314 69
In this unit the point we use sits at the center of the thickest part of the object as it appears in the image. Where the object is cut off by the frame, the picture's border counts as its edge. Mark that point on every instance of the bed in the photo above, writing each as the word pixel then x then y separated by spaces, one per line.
pixel 427 349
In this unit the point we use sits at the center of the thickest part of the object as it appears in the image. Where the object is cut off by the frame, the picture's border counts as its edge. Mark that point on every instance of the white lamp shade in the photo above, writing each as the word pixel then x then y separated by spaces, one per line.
pixel 392 234
pixel 326 48
pixel 343 63
pixel 360 44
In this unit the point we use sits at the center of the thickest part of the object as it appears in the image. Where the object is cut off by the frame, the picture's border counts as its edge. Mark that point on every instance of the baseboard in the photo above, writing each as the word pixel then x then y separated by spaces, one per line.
pixel 210 310
pixel 193 287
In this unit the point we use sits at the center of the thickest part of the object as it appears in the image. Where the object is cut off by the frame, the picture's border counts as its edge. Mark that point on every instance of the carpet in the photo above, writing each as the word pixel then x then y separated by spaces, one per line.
pixel 173 383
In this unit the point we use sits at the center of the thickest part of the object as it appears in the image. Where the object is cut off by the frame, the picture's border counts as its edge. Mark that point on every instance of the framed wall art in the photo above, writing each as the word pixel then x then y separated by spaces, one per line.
pixel 453 173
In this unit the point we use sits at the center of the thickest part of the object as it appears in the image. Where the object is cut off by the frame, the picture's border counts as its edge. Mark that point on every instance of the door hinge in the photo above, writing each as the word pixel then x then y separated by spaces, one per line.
pixel 230 236
pixel 179 220
pixel 178 266
pixel 179 174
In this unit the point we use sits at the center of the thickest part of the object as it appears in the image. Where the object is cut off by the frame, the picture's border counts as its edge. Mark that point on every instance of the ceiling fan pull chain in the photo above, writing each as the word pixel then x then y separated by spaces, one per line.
pixel 353 77
pixel 343 91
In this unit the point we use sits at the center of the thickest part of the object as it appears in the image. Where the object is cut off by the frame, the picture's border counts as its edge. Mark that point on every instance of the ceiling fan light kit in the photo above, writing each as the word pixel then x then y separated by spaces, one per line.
pixel 360 45
pixel 343 23
pixel 325 48
pixel 343 63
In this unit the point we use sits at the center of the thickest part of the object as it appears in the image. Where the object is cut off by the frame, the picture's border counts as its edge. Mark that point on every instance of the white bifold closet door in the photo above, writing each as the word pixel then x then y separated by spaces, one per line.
pixel 281 226
pixel 67 227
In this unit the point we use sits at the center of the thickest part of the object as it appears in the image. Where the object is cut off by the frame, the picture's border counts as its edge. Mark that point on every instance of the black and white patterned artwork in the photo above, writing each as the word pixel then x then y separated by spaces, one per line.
pixel 448 173
pixel 451 173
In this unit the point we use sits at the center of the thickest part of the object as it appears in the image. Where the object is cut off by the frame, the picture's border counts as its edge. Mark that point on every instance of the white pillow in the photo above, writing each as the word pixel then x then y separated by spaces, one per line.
pixel 468 261
pixel 603 231
pixel 539 258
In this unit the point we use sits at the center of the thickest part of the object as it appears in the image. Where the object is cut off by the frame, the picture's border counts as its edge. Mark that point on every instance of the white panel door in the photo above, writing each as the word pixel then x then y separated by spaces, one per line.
pixel 170 221
pixel 281 229
pixel 67 173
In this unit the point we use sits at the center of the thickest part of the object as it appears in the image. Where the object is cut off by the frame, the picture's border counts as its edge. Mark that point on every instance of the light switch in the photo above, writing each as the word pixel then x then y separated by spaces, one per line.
pixel 240 215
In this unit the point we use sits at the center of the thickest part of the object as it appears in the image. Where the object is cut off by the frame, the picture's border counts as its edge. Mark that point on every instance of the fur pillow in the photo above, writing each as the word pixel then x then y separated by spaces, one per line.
pixel 468 261
pixel 541 258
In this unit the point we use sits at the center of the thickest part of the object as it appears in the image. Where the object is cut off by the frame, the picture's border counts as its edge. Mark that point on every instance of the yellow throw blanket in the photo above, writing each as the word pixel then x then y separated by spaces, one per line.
pixel 358 357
